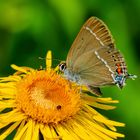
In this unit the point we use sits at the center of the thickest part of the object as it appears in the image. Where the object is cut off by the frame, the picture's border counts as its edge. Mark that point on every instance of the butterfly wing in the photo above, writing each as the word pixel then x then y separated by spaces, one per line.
pixel 93 70
pixel 93 35
pixel 98 68
pixel 94 57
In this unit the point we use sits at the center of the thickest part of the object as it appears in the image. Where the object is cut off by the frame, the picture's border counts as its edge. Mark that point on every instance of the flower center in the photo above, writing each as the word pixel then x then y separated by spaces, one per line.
pixel 47 97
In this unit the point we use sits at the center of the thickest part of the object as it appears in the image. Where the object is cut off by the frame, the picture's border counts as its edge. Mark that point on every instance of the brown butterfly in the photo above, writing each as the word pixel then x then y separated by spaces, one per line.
pixel 93 60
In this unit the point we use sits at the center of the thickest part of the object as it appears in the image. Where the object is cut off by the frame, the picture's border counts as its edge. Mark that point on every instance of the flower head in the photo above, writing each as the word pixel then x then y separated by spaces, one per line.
pixel 41 102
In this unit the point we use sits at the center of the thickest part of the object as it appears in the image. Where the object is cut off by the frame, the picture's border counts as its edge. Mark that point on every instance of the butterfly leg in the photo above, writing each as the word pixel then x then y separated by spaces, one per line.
pixel 95 90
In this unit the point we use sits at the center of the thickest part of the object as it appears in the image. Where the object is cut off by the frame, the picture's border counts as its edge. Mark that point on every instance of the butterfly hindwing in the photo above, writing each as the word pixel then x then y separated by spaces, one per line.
pixel 92 70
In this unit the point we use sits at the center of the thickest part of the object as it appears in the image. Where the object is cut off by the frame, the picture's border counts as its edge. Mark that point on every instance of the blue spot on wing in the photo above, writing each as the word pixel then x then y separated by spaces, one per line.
pixel 120 80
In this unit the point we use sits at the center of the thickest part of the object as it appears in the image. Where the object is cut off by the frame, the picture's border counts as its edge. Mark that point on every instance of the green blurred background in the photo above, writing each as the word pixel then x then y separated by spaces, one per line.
pixel 28 28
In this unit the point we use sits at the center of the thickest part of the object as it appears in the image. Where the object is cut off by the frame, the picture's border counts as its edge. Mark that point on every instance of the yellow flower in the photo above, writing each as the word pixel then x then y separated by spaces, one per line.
pixel 41 103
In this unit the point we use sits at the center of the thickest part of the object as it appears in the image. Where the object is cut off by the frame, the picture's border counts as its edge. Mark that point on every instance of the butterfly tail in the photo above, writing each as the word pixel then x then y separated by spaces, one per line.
pixel 131 76
pixel 120 79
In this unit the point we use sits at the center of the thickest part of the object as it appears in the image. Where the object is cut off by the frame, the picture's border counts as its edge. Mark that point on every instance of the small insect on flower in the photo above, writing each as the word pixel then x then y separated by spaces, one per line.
pixel 93 60
pixel 41 103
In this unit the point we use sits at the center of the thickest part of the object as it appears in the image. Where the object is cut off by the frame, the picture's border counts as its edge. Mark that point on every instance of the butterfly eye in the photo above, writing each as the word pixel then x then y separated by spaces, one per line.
pixel 62 67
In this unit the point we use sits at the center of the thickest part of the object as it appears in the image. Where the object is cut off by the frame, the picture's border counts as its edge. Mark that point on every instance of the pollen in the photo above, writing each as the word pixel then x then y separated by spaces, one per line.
pixel 46 97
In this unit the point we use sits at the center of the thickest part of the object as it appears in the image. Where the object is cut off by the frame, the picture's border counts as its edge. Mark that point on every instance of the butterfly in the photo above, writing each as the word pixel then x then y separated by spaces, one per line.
pixel 93 59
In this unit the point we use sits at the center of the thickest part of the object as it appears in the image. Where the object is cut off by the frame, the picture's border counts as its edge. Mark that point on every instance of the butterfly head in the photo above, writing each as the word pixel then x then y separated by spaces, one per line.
pixel 62 66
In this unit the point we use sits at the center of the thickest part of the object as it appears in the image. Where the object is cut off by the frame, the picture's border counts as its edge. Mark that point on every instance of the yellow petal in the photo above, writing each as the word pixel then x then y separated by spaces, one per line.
pixel 101 106
pixel 21 133
pixel 19 128
pixel 35 131
pixel 7 85
pixel 12 116
pixel 49 60
pixel 104 130
pixel 29 131
pixel 18 68
pixel 85 131
pixel 65 134
pixel 54 135
pixel 45 130
pixel 100 118
pixel 107 121
pixel 7 104
pixel 91 99
pixel 7 92
pixel 107 100
pixel 9 130
pixel 10 79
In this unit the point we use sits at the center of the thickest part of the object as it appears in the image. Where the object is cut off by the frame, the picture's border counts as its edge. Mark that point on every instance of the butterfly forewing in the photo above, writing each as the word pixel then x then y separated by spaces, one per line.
pixel 93 35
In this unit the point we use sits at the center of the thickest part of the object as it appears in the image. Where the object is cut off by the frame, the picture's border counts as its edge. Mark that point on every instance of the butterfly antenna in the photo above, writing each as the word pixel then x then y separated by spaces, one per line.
pixel 42 58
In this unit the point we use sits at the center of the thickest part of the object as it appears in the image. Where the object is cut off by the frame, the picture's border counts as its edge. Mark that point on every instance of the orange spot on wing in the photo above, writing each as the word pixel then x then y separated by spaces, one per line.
pixel 119 69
